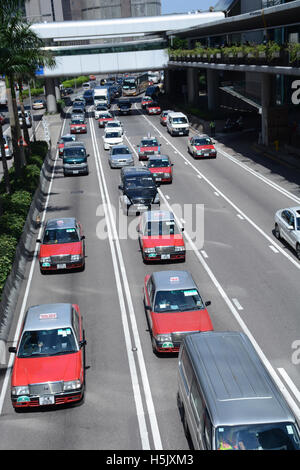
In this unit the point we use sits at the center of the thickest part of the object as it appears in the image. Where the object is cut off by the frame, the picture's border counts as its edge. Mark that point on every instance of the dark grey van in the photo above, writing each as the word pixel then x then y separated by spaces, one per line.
pixel 227 398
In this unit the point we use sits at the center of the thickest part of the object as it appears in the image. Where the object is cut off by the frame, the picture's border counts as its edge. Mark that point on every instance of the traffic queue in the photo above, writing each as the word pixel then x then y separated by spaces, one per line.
pixel 49 367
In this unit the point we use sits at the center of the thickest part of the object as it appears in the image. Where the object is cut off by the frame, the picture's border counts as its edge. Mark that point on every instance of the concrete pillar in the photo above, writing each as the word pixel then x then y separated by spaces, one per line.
pixel 50 95
pixel 167 81
pixel 57 90
pixel 265 103
pixel 192 85
pixel 213 91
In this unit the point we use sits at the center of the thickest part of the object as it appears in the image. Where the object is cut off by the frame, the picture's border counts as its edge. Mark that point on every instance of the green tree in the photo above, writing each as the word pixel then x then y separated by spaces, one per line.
pixel 21 52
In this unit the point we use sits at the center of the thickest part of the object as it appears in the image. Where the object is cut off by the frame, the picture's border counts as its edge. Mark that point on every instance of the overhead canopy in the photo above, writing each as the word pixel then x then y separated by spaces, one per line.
pixel 277 16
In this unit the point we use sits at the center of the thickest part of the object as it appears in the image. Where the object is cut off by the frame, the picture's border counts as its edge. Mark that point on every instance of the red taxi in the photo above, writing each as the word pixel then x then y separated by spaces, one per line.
pixel 161 168
pixel 92 77
pixel 104 118
pixel 163 117
pixel 153 108
pixel 78 126
pixel 49 367
pixel 201 146
pixel 62 141
pixel 62 245
pixel 160 238
pixel 148 146
pixel 145 101
pixel 174 309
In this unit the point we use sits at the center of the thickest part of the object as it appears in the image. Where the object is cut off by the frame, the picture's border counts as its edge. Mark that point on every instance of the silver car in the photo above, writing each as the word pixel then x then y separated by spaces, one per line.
pixel 7 146
pixel 287 227
pixel 120 156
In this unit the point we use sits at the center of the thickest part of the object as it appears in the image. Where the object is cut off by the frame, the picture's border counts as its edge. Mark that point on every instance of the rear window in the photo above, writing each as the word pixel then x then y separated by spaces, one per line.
pixel 158 163
pixel 161 227
pixel 120 151
pixel 149 143
pixel 139 182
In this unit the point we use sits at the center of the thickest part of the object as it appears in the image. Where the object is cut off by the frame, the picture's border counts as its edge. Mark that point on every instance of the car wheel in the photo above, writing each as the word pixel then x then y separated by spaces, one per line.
pixel 277 232
pixel 298 250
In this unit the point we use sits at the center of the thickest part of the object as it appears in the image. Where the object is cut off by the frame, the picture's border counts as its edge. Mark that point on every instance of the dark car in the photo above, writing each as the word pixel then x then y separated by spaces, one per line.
pixel 75 159
pixel 138 190
pixel 88 95
pixel 124 106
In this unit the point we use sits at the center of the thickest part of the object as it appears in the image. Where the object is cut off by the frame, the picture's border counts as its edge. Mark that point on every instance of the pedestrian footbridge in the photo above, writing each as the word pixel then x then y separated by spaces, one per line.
pixel 116 45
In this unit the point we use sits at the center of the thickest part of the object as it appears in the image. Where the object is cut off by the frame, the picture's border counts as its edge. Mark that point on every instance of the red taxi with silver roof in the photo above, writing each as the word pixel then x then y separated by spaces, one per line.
pixel 174 309
pixel 49 367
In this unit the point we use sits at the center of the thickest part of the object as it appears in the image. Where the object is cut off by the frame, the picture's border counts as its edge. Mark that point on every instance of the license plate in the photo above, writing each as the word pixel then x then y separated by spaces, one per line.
pixel 180 133
pixel 165 256
pixel 47 400
pixel 75 172
pixel 61 266
pixel 158 179
pixel 206 154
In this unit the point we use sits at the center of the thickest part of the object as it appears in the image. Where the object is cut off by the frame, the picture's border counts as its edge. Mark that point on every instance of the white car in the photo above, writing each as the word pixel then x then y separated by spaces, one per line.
pixel 100 108
pixel 28 118
pixel 114 126
pixel 111 138
pixel 287 227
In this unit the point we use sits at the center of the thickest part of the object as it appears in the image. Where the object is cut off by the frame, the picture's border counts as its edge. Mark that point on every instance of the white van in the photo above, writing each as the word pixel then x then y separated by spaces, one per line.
pixel 178 124
pixel 86 86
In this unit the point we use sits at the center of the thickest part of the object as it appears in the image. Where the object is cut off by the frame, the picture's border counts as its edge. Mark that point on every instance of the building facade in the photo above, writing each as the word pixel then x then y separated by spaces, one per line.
pixel 38 11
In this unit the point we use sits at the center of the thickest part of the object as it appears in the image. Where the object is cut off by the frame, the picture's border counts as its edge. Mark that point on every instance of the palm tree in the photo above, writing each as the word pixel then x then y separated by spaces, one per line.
pixel 21 52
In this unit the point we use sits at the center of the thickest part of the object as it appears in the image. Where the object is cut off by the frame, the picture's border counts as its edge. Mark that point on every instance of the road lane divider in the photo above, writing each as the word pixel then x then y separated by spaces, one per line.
pixel 133 347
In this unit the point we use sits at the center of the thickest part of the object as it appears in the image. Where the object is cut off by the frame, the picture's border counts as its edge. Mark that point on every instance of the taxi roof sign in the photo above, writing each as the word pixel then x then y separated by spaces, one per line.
pixel 174 279
pixel 48 316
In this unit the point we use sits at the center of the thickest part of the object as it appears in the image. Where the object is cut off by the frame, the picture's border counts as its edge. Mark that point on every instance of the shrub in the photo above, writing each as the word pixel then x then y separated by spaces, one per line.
pixel 18 203
pixel 5 268
pixel 12 224
pixel 8 245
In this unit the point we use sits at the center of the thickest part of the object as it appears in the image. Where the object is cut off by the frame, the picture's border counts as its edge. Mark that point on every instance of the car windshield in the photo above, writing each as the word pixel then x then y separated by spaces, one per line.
pixel 298 223
pixel 153 105
pixel 179 120
pixel 161 227
pixel 101 108
pixel 74 152
pixel 158 163
pixel 105 116
pixel 112 135
pixel 77 121
pixel 120 151
pixel 61 235
pixel 274 436
pixel 139 182
pixel 149 143
pixel 47 343
pixel 68 138
pixel 204 141
pixel 113 124
pixel 178 300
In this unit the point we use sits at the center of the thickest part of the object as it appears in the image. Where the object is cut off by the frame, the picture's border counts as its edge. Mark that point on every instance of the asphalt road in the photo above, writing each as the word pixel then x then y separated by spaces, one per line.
pixel 250 277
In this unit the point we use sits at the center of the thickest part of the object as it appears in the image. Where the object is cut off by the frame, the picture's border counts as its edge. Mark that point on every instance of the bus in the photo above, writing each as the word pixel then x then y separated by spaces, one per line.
pixel 135 85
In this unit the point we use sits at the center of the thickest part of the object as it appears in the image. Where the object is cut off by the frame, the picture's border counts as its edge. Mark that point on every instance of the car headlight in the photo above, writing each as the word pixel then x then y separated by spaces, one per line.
pixel 75 257
pixel 179 248
pixel 72 385
pixel 150 250
pixel 163 338
pixel 20 390
pixel 45 260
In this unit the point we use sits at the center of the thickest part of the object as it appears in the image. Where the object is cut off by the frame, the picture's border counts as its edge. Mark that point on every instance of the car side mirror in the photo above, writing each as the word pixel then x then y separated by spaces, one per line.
pixel 172 164
pixel 291 227
pixel 39 241
pixel 207 303
pixel 182 229
pixel 12 349
pixel 147 307
pixel 120 187
pixel 82 343
pixel 83 237
pixel 88 155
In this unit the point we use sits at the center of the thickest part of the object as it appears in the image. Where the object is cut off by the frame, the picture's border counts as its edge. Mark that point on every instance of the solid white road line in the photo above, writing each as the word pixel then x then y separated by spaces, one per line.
pixel 231 203
pixel 117 256
pixel 27 289
pixel 289 382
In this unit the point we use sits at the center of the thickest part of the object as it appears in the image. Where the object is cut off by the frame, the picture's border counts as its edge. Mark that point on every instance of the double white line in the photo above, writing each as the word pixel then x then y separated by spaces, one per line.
pixel 133 346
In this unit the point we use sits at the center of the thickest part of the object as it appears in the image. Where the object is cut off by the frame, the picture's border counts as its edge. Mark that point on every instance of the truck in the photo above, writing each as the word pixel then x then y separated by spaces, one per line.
pixel 101 96
pixel 3 96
